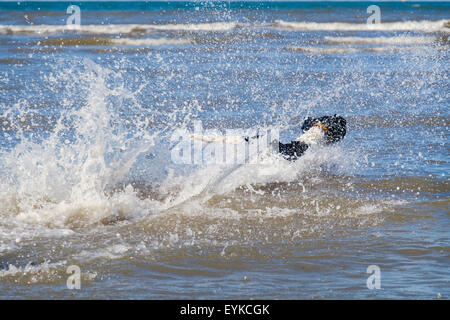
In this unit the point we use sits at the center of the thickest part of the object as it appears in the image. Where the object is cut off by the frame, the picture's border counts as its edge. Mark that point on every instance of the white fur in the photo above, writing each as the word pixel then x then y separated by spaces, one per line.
pixel 315 135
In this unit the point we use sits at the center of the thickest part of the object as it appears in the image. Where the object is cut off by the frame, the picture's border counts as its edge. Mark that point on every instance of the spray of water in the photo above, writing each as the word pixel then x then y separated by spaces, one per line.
pixel 93 164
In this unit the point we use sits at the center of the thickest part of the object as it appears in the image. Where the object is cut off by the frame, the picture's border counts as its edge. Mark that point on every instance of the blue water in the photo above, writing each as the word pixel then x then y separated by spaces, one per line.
pixel 88 176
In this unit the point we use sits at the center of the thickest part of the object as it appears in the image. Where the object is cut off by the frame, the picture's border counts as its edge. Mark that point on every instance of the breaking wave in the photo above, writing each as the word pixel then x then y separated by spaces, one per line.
pixel 320 50
pixel 398 40
pixel 419 26
pixel 414 26
pixel 115 28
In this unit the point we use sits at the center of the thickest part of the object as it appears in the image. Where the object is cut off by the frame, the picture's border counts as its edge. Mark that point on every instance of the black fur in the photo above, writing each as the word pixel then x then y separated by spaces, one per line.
pixel 291 151
pixel 336 126
pixel 336 130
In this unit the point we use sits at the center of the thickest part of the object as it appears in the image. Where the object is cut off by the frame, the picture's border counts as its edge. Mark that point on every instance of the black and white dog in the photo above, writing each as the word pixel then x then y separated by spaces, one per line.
pixel 320 131
pixel 323 130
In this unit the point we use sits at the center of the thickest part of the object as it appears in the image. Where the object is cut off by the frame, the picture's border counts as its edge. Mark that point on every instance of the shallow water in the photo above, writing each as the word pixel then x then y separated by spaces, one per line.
pixel 88 176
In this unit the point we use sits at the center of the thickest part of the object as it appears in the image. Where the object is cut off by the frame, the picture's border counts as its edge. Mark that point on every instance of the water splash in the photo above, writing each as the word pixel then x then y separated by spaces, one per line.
pixel 65 176
pixel 101 156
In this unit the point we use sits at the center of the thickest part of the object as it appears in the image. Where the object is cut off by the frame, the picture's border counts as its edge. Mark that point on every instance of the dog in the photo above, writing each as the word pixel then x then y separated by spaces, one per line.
pixel 324 130
pixel 321 131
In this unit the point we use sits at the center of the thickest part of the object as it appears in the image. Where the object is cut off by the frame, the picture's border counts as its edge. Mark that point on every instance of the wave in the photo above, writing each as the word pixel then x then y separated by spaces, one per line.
pixel 420 26
pixel 320 50
pixel 150 42
pixel 381 40
pixel 115 28
pixel 95 41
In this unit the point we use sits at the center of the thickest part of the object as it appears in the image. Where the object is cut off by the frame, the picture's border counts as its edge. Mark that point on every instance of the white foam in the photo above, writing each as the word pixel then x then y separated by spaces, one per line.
pixel 45 268
pixel 368 209
pixel 327 50
pixel 115 28
pixel 274 168
pixel 420 26
pixel 113 252
pixel 150 42
pixel 398 40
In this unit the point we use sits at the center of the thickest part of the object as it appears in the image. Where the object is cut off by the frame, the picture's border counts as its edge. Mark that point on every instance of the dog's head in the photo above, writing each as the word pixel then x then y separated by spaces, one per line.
pixel 334 126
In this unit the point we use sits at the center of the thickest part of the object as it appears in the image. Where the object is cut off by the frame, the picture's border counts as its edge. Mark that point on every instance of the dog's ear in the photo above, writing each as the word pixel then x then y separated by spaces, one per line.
pixel 307 124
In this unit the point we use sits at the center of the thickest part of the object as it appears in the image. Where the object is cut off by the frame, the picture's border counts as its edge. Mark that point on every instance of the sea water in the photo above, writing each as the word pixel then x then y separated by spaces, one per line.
pixel 87 170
